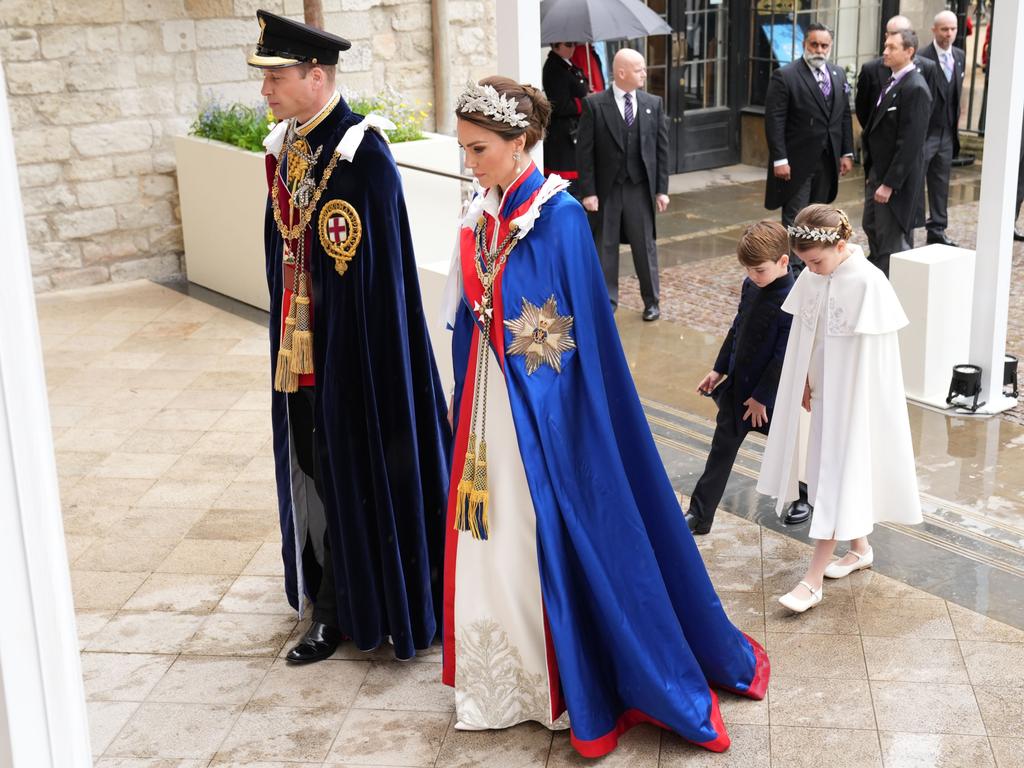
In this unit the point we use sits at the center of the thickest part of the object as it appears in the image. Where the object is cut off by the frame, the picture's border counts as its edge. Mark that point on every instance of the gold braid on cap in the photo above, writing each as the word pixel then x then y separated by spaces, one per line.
pixel 486 100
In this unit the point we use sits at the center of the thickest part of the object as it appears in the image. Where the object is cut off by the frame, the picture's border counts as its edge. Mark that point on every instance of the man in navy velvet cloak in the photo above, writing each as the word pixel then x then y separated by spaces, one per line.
pixel 361 439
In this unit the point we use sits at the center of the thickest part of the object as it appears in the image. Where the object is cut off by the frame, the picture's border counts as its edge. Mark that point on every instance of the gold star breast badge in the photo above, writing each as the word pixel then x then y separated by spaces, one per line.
pixel 541 335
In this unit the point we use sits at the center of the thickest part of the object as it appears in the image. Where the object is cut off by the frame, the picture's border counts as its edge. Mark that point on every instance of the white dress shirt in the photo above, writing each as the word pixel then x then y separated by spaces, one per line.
pixel 620 101
pixel 942 54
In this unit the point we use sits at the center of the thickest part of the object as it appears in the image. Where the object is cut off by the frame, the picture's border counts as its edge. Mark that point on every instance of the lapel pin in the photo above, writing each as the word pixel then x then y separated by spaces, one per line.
pixel 648 110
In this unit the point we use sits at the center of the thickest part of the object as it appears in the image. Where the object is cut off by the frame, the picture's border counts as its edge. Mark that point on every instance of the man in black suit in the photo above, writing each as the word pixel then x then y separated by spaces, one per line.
pixel 809 129
pixel 874 75
pixel 622 158
pixel 943 141
pixel 893 160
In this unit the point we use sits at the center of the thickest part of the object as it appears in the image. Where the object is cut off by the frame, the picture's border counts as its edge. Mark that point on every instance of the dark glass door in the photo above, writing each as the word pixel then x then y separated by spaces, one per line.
pixel 703 118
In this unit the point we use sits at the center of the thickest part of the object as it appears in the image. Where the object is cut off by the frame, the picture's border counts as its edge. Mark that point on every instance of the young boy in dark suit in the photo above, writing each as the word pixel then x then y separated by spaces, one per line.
pixel 750 362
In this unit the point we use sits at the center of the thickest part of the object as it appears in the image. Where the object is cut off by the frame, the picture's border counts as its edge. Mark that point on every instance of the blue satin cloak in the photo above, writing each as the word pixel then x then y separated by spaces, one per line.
pixel 383 438
pixel 636 624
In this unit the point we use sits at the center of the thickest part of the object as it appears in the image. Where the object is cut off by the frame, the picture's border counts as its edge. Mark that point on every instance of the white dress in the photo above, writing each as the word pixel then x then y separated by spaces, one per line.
pixel 860 459
pixel 503 673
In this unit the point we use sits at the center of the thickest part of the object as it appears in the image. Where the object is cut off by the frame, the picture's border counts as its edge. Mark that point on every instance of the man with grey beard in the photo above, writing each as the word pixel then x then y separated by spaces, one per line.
pixel 809 130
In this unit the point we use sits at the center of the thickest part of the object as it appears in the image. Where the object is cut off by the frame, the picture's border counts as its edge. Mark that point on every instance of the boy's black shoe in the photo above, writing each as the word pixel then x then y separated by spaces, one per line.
pixel 697 526
pixel 651 313
pixel 799 512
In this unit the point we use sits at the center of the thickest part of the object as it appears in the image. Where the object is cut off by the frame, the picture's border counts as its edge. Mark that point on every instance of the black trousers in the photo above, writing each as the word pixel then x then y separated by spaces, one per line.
pixel 938 159
pixel 886 235
pixel 816 188
pixel 725 444
pixel 300 413
pixel 628 211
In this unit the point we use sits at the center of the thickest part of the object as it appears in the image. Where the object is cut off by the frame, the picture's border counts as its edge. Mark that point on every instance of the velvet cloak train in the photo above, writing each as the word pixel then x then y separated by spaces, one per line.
pixel 637 633
pixel 379 412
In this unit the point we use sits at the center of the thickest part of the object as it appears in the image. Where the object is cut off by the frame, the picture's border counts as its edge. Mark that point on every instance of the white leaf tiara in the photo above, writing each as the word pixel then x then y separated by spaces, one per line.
pixel 487 101
pixel 817 234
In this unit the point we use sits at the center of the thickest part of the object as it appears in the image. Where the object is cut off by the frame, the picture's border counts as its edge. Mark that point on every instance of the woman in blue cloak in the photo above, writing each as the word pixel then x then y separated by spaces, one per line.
pixel 574 593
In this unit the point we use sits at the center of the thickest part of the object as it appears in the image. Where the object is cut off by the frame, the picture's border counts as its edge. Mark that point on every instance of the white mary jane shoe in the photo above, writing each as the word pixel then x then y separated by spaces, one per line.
pixel 798 604
pixel 837 571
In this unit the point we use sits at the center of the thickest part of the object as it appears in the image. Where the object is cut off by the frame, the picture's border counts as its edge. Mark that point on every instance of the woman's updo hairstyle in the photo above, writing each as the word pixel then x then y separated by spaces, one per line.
pixel 818 225
pixel 530 102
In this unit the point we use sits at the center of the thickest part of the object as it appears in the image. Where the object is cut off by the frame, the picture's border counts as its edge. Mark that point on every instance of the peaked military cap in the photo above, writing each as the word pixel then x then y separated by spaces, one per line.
pixel 284 43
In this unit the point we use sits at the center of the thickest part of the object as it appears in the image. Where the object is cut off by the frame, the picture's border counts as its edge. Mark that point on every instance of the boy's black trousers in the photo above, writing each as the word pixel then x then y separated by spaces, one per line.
pixel 729 436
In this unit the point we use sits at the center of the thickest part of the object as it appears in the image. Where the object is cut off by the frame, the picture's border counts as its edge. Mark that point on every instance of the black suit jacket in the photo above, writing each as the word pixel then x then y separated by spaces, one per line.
pixel 600 145
pixel 872 79
pixel 800 125
pixel 894 143
pixel 946 105
pixel 566 87
pixel 755 348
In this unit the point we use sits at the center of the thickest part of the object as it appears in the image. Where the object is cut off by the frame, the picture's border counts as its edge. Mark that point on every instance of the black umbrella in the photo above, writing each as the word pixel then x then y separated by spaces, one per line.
pixel 564 21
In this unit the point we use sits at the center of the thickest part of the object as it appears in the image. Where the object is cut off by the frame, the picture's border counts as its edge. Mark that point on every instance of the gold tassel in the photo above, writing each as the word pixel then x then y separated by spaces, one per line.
pixel 478 499
pixel 465 487
pixel 285 379
pixel 302 339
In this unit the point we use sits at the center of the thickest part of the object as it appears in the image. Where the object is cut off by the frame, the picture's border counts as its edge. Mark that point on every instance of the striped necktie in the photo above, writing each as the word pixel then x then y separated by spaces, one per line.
pixel 628 109
pixel 824 81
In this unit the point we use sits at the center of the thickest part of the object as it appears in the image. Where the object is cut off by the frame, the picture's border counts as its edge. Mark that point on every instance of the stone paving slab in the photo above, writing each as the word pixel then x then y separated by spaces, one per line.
pixel 182 634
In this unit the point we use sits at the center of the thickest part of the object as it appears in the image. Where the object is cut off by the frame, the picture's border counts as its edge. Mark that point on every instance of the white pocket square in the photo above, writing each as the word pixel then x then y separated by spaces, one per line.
pixel 891 109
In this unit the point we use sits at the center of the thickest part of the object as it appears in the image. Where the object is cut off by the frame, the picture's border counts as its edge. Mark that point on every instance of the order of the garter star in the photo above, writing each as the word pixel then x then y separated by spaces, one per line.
pixel 541 335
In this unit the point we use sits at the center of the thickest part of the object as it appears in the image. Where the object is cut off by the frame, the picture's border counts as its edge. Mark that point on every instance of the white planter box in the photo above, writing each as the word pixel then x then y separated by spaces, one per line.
pixel 223 193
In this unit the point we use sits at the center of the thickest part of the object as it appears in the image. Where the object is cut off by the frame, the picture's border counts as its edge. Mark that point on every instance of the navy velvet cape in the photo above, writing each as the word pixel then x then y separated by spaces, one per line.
pixel 379 412
pixel 638 631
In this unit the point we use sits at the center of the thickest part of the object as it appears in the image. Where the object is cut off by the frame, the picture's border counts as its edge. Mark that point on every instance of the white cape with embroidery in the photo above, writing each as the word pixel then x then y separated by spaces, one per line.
pixel 864 471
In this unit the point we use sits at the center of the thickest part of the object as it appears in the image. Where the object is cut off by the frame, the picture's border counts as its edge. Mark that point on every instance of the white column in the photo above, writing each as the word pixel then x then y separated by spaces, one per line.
pixel 995 209
pixel 519 49
pixel 42 704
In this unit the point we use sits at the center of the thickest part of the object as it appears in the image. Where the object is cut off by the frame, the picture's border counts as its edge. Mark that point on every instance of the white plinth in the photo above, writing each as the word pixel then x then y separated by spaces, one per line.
pixel 935 285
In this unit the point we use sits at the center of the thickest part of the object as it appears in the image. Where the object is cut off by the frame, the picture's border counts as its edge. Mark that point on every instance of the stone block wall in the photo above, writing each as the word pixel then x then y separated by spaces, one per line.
pixel 98 89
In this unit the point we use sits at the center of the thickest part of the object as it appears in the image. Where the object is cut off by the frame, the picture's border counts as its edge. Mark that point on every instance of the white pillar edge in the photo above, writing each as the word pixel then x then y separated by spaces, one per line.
pixel 519 49
pixel 994 250
pixel 44 716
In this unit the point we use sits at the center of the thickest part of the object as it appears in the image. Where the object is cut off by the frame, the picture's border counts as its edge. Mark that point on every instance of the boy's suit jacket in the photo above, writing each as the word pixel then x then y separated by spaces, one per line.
pixel 754 348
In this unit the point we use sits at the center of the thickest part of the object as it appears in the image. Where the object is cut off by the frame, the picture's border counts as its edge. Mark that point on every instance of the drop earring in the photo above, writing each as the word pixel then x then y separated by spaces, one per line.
pixel 515 159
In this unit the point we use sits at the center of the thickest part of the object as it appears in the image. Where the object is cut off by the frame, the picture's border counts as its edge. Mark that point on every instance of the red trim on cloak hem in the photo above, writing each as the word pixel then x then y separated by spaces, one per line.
pixel 567 175
pixel 603 745
pixel 555 694
pixel 451 542
pixel 762 672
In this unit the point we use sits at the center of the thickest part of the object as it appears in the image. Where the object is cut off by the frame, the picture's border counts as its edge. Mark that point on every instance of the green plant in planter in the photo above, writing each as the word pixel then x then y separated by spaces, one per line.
pixel 235 124
pixel 246 126
pixel 407 116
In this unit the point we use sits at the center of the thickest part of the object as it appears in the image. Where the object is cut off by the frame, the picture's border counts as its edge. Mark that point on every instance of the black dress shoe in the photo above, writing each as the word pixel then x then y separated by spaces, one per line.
pixel 1018 235
pixel 697 526
pixel 319 642
pixel 939 238
pixel 799 512
pixel 652 313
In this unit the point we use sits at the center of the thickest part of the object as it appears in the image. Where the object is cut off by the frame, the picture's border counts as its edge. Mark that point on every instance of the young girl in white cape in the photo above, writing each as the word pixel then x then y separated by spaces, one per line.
pixel 843 365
